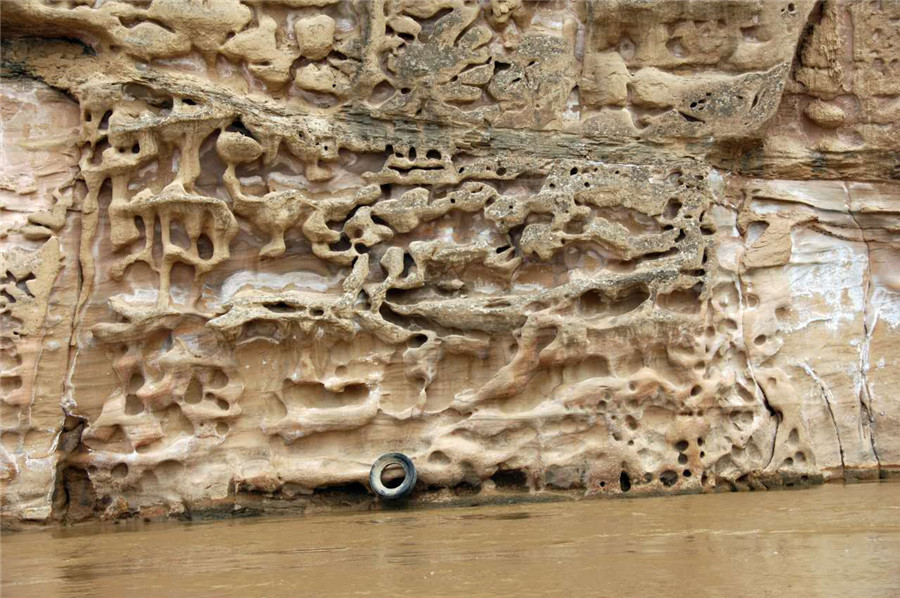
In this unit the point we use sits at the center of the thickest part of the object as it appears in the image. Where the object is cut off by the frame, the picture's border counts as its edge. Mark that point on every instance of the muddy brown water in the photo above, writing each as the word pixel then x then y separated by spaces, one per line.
pixel 830 541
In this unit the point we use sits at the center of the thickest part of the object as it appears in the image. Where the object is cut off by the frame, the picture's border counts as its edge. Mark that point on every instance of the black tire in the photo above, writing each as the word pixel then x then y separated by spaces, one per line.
pixel 405 487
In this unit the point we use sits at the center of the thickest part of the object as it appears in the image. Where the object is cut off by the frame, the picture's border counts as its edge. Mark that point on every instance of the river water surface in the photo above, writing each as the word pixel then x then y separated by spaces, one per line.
pixel 830 541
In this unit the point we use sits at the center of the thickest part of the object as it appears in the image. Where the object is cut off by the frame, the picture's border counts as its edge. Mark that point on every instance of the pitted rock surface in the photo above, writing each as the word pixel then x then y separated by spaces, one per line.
pixel 597 246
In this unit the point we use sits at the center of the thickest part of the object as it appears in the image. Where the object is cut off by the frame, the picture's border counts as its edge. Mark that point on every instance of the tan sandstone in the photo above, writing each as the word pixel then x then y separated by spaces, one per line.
pixel 597 246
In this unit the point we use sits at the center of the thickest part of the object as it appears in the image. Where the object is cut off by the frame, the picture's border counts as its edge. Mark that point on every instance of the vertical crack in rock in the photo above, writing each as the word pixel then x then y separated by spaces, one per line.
pixel 865 397
pixel 777 417
pixel 828 398
pixel 68 439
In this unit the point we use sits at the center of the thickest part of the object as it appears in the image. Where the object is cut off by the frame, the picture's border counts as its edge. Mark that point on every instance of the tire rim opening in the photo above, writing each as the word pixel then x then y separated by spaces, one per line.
pixel 393 475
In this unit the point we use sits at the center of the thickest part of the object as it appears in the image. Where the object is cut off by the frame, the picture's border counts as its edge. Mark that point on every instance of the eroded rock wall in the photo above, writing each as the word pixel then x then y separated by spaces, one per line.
pixel 602 246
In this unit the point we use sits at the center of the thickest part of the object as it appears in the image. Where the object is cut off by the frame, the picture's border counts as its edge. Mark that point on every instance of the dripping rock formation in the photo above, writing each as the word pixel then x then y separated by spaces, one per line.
pixel 594 246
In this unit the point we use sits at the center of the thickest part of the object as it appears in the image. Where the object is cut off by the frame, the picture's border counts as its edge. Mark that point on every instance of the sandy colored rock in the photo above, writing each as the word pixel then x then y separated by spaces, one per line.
pixel 596 247
pixel 38 290
pixel 315 36
pixel 825 115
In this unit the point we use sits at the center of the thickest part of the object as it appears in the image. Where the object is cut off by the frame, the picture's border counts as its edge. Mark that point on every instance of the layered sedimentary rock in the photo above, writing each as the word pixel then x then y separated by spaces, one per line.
pixel 604 246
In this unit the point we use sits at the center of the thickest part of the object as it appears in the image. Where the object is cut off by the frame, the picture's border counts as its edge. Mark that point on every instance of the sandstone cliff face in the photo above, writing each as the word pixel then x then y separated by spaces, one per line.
pixel 607 246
